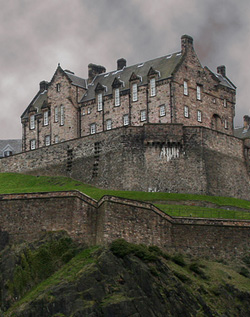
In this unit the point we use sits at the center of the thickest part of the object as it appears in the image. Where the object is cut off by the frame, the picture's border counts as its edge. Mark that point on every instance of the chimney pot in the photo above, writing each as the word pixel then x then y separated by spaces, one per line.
pixel 221 70
pixel 186 42
pixel 43 85
pixel 94 70
pixel 121 63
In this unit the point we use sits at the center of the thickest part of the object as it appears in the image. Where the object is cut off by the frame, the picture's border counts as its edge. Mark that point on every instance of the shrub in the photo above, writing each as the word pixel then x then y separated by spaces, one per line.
pixel 178 259
pixel 244 271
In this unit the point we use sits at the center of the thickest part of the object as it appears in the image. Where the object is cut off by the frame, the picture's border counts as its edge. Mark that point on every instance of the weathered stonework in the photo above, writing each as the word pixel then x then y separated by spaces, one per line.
pixel 25 216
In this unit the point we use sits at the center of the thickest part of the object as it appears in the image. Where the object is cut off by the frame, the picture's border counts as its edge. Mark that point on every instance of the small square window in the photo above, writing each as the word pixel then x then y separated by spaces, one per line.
pixel 109 124
pixel 125 119
pixel 99 102
pixel 152 87
pixel 198 92
pixel 47 140
pixel 199 116
pixel 93 128
pixel 143 115
pixel 185 88
pixel 162 111
pixel 186 112
pixel 32 144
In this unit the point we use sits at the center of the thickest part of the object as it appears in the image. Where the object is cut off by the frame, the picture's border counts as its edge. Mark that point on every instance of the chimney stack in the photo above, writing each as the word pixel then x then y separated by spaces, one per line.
pixel 221 70
pixel 121 63
pixel 186 43
pixel 43 85
pixel 94 70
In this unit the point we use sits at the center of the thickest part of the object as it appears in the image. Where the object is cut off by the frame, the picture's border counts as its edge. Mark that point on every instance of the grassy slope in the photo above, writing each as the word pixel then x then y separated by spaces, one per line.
pixel 20 183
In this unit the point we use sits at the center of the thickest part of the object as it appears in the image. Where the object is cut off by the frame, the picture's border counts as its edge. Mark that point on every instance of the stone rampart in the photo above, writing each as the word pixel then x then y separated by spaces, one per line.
pixel 154 157
pixel 25 216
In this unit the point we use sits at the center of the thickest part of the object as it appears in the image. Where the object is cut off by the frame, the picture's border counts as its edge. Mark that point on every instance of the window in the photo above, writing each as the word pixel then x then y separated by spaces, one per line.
pixel 117 97
pixel 185 87
pixel 62 115
pixel 162 111
pixel 56 114
pixel 89 110
pixel 125 119
pixel 58 87
pixel 198 92
pixel 152 87
pixel 143 115
pixel 7 153
pixel 199 116
pixel 32 144
pixel 46 118
pixel 56 139
pixel 225 103
pixel 93 128
pixel 109 124
pixel 186 112
pixel 83 112
pixel 226 124
pixel 32 122
pixel 99 102
pixel 47 140
pixel 134 92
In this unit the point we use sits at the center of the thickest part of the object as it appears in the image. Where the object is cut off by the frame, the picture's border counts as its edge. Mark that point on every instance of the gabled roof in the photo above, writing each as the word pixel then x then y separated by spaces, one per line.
pixel 241 133
pixel 13 144
pixel 165 65
pixel 37 103
pixel 75 80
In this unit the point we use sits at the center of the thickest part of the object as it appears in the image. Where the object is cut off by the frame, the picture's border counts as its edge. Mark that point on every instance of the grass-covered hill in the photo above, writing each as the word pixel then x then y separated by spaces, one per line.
pixel 55 277
pixel 184 204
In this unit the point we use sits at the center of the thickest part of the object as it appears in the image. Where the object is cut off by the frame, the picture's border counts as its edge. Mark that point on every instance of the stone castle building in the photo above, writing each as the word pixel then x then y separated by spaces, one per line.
pixel 162 125
pixel 173 89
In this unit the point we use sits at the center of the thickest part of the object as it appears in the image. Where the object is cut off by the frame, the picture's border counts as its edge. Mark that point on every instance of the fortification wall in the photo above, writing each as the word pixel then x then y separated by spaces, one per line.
pixel 25 216
pixel 155 157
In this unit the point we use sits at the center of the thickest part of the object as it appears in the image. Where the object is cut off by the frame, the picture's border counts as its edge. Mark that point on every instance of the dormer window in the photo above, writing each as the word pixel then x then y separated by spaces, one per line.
pixel 185 87
pixel 134 92
pixel 99 102
pixel 198 92
pixel 32 122
pixel 58 87
pixel 46 117
pixel 152 87
pixel 117 97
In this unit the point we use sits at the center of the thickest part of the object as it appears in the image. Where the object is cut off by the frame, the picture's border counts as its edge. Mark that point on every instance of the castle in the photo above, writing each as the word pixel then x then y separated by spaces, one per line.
pixel 170 89
pixel 162 125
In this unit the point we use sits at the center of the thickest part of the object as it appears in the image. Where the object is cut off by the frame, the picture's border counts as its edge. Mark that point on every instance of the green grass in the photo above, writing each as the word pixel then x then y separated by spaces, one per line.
pixel 202 212
pixel 20 183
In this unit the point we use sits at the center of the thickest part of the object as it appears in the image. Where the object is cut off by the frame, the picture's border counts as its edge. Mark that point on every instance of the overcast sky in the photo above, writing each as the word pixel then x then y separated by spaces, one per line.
pixel 36 35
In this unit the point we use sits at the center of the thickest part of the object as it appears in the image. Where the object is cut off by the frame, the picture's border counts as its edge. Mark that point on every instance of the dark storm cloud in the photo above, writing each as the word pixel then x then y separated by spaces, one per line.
pixel 36 35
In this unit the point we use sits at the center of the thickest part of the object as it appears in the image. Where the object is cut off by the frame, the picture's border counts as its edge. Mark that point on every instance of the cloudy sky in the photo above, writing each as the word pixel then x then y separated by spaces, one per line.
pixel 37 35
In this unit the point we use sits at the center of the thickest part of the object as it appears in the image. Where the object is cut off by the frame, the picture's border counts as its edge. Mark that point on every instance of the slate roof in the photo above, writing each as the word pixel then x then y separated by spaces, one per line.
pixel 77 81
pixel 224 81
pixel 164 65
pixel 241 134
pixel 37 103
pixel 13 144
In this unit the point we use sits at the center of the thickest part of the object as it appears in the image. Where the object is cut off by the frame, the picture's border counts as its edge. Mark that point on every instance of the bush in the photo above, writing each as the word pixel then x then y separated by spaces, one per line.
pixel 244 271
pixel 196 268
pixel 178 259
pixel 182 277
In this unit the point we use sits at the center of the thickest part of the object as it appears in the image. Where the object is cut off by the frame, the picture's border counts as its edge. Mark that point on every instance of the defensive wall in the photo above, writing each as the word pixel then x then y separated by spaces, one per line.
pixel 153 157
pixel 23 217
